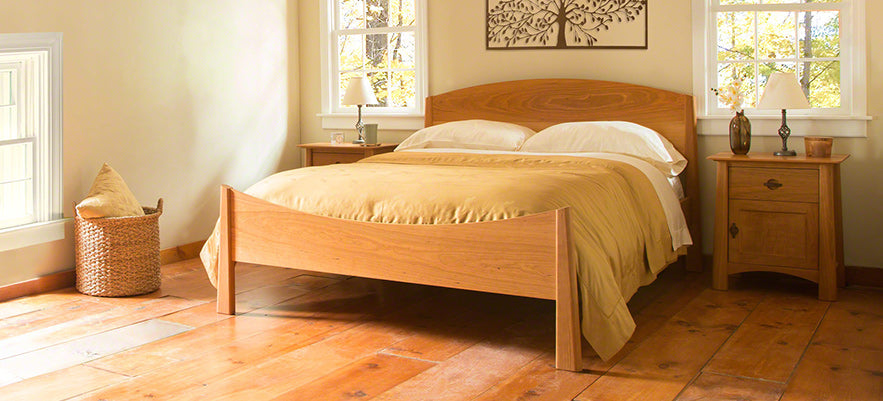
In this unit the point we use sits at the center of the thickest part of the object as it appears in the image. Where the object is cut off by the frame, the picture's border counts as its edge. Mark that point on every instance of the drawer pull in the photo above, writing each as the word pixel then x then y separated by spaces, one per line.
pixel 772 184
pixel 734 230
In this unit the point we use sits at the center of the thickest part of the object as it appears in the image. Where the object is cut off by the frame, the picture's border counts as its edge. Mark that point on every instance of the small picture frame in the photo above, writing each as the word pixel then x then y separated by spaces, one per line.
pixel 337 138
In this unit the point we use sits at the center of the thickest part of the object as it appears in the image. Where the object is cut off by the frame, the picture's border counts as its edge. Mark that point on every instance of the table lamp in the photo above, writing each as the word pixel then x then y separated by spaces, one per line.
pixel 782 91
pixel 359 93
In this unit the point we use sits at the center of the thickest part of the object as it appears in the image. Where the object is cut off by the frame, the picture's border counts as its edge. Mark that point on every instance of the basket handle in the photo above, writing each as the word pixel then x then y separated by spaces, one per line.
pixel 159 206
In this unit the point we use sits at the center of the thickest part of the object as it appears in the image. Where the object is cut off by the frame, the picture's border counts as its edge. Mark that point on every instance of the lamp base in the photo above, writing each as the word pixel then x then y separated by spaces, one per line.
pixel 359 142
pixel 785 153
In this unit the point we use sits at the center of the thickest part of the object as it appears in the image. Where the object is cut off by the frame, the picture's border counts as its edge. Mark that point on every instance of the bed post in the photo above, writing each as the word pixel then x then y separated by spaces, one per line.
pixel 694 252
pixel 226 273
pixel 568 352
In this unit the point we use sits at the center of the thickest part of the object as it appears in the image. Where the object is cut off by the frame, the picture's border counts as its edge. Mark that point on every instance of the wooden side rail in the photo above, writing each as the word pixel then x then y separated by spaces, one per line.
pixel 526 256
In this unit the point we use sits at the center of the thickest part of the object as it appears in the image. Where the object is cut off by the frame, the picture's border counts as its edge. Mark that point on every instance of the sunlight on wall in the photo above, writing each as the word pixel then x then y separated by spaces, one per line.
pixel 179 96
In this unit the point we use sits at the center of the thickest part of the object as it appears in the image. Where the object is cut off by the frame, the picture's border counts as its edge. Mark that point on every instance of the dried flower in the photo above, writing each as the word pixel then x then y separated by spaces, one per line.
pixel 731 95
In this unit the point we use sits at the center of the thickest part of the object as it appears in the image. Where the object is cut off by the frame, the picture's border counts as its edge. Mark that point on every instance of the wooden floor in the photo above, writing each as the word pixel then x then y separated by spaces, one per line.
pixel 308 337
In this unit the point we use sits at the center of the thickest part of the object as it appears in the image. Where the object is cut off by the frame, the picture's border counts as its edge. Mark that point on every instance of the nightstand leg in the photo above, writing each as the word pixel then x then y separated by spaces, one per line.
pixel 827 235
pixel 838 239
pixel 721 218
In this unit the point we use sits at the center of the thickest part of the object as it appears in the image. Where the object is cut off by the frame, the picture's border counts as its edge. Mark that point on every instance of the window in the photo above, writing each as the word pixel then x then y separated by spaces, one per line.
pixel 821 41
pixel 383 40
pixel 30 129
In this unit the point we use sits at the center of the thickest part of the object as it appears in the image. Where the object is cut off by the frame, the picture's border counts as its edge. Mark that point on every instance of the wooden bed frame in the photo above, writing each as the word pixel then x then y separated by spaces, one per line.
pixel 526 256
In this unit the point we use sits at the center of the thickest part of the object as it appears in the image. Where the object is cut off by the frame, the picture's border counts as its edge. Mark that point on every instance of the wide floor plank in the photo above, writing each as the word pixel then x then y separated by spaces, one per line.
pixel 85 349
pixel 837 373
pixel 479 367
pixel 772 339
pixel 709 386
pixel 668 360
pixel 60 384
pixel 540 381
pixel 92 324
pixel 363 379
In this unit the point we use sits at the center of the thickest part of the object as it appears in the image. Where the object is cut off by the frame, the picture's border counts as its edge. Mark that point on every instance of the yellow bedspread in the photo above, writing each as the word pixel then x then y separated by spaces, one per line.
pixel 618 226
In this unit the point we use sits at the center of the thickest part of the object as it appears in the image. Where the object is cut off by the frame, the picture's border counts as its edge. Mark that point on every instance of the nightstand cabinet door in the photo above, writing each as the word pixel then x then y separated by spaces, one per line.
pixel 774 233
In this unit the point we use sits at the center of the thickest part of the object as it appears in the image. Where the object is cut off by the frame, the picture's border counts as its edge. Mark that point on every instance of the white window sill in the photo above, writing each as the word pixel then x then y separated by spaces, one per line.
pixel 402 122
pixel 768 125
pixel 31 234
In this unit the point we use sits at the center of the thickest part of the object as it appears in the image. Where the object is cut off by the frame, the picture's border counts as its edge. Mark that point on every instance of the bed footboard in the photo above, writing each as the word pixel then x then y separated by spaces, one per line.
pixel 526 256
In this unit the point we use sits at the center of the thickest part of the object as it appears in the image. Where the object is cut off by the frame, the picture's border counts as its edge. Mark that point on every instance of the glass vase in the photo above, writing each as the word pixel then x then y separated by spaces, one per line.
pixel 740 134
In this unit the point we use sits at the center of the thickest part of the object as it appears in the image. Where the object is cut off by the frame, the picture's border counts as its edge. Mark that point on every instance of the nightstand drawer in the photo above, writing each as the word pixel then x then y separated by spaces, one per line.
pixel 776 184
pixel 323 158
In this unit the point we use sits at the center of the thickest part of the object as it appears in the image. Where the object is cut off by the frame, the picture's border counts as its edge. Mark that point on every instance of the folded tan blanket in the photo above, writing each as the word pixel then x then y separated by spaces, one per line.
pixel 618 226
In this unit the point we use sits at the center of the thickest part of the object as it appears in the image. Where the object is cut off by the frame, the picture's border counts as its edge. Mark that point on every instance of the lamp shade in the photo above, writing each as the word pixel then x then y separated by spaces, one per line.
pixel 359 92
pixel 782 91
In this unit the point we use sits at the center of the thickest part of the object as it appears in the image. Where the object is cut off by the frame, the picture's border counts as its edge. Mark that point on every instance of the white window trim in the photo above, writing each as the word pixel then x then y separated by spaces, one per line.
pixel 32 234
pixel 851 123
pixel 346 118
pixel 50 226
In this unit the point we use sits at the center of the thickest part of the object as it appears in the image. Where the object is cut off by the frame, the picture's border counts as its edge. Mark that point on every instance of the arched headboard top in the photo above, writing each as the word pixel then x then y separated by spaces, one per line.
pixel 540 103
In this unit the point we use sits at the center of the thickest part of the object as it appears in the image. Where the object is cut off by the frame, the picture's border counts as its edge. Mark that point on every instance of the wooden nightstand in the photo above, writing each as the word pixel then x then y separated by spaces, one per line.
pixel 779 214
pixel 320 154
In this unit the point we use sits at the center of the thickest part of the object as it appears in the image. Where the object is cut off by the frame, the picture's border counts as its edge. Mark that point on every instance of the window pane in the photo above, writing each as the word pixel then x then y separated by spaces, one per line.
pixel 822 80
pixel 385 50
pixel 380 83
pixel 727 73
pixel 8 109
pixel 352 57
pixel 16 162
pixel 735 38
pixel 766 69
pixel 402 89
pixel 775 35
pixel 6 85
pixel 16 203
pixel 819 34
pixel 402 13
pixel 375 51
pixel 403 49
pixel 378 13
pixel 352 14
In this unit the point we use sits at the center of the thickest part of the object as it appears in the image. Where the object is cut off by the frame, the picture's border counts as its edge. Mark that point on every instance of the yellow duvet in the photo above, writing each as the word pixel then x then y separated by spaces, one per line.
pixel 618 226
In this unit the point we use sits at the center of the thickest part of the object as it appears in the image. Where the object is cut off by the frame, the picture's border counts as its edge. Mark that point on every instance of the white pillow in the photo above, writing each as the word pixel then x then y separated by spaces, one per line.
pixel 469 134
pixel 611 137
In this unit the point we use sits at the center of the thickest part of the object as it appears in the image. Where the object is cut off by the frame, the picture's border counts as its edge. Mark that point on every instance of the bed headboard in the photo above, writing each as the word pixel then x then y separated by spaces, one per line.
pixel 540 103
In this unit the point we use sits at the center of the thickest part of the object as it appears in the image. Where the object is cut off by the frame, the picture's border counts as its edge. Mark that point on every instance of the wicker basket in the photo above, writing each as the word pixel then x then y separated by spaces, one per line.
pixel 118 256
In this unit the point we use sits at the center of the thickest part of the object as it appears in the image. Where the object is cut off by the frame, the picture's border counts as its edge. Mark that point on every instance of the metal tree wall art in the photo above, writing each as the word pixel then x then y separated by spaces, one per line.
pixel 566 24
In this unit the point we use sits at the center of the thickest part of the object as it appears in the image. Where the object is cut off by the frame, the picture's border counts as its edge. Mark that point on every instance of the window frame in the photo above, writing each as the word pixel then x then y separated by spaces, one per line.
pixel 47 142
pixel 850 120
pixel 341 117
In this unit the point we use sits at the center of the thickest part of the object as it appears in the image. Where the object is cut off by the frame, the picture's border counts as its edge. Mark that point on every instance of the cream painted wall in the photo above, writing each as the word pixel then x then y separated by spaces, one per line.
pixel 457 58
pixel 178 96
